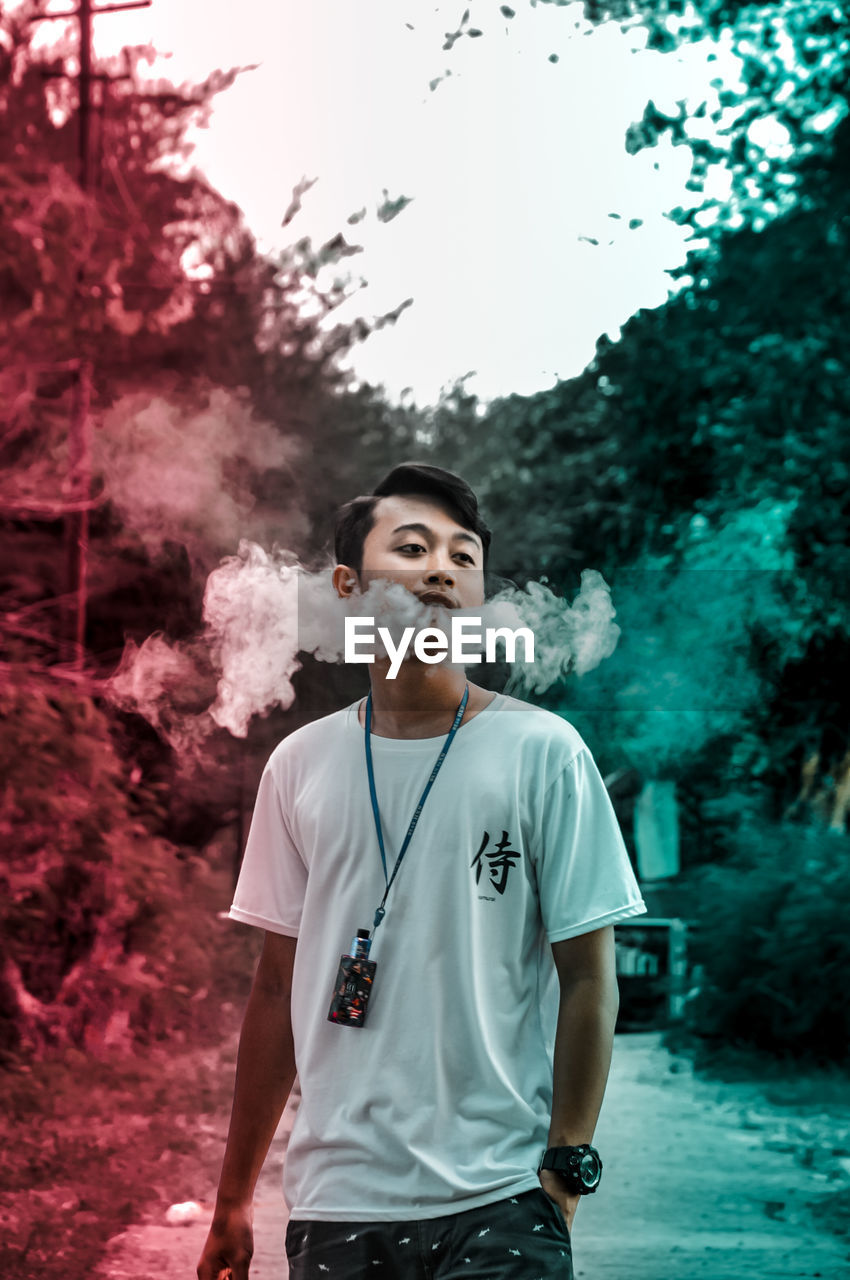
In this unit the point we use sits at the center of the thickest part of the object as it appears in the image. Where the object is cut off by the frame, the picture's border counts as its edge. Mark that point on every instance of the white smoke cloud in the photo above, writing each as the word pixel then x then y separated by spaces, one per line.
pixel 174 465
pixel 169 684
pixel 261 609
pixel 569 638
pixel 251 615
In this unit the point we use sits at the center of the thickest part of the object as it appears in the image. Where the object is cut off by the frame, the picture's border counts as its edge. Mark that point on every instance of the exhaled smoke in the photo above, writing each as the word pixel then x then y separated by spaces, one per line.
pixel 177 465
pixel 251 615
pixel 171 685
pixel 569 638
pixel 262 609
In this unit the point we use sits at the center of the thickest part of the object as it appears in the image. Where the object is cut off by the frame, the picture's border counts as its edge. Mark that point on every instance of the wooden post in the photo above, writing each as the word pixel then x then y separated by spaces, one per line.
pixel 78 481
pixel 79 441
pixel 84 14
pixel 77 519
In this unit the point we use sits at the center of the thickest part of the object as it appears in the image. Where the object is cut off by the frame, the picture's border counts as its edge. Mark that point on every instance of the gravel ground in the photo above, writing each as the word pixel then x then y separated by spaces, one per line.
pixel 703 1181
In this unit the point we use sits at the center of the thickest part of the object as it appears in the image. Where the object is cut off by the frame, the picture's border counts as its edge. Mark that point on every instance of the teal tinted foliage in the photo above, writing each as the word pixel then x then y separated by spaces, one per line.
pixel 772 939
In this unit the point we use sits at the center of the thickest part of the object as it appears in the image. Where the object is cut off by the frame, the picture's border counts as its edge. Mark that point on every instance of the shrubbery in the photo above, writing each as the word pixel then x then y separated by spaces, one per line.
pixel 771 936
pixel 111 935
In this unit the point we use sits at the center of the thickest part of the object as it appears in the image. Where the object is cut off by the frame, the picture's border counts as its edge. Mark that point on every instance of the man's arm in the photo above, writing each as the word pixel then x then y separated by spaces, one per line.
pixel 265 1071
pixel 584 1039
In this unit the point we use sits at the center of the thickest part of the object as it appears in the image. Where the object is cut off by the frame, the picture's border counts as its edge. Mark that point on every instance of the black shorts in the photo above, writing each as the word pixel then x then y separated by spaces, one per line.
pixel 523 1237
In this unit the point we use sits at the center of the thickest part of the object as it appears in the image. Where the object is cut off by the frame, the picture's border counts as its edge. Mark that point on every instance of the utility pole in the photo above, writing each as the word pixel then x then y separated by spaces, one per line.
pixel 84 145
pixel 78 484
pixel 76 526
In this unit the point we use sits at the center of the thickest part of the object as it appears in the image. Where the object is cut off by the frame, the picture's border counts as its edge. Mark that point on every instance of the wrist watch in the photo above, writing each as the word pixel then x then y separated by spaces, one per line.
pixel 580 1167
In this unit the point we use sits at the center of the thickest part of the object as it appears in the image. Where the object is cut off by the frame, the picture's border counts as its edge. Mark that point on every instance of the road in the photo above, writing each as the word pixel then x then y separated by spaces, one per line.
pixel 702 1181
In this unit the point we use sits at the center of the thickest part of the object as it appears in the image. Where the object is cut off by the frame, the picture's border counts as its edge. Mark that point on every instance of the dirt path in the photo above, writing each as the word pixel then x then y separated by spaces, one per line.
pixel 703 1181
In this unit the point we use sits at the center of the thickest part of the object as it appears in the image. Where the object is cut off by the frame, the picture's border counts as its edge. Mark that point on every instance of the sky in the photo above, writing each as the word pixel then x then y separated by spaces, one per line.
pixel 512 164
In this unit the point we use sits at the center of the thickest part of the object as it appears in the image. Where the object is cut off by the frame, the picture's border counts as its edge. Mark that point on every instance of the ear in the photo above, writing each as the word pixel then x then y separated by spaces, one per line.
pixel 345 581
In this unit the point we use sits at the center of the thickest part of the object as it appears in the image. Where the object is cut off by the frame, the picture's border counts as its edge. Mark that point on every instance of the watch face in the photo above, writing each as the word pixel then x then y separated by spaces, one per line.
pixel 590 1169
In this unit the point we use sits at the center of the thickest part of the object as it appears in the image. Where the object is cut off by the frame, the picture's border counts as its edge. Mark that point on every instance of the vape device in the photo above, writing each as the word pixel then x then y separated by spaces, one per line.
pixel 353 984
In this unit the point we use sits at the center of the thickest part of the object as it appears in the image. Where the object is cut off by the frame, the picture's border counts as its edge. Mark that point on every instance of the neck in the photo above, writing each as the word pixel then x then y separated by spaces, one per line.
pixel 420 703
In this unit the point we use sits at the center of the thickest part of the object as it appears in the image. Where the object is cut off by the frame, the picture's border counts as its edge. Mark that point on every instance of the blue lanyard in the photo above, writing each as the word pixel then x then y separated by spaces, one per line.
pixel 381 912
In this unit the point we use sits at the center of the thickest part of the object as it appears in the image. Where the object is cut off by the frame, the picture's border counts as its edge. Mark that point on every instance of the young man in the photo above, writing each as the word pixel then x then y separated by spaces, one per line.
pixel 417 1147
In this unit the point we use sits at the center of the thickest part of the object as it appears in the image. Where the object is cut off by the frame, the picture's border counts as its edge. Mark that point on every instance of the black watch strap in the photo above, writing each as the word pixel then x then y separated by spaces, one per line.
pixel 580 1167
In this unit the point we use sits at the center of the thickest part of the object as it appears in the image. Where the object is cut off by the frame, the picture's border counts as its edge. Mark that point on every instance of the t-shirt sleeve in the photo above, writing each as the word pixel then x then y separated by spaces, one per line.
pixel 584 876
pixel 273 878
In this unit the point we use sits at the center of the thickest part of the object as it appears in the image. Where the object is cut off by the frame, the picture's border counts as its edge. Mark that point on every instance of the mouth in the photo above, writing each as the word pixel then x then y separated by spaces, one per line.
pixel 437 597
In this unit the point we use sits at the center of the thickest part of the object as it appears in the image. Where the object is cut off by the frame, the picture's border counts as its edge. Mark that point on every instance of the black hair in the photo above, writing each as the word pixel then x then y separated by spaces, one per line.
pixel 356 518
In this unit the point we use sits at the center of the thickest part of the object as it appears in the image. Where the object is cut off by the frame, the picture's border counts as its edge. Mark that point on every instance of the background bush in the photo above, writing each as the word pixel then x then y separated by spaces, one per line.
pixel 772 939
pixel 111 933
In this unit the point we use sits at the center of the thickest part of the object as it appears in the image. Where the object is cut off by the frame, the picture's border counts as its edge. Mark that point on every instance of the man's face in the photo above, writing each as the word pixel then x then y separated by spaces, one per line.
pixel 417 542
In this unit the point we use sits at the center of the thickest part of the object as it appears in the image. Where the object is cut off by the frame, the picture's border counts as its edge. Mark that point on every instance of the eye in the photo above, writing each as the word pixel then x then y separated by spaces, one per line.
pixel 464 555
pixel 411 546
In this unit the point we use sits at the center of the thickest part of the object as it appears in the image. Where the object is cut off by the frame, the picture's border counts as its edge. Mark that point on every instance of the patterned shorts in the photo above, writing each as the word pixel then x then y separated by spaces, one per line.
pixel 521 1238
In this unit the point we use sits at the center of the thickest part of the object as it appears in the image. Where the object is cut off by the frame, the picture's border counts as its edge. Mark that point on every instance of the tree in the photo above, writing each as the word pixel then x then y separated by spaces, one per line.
pixel 701 462
pixel 210 370
pixel 761 129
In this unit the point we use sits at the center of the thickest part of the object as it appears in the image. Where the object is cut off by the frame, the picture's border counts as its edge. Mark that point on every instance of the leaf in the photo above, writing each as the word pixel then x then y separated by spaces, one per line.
pixel 335 248
pixel 390 317
pixel 294 205
pixel 390 209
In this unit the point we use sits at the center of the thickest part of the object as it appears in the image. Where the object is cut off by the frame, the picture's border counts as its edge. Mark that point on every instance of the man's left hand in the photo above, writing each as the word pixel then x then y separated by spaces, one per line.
pixel 553 1185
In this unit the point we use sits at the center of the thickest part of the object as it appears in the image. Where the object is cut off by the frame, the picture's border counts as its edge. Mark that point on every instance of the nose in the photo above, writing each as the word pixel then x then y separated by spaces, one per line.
pixel 436 577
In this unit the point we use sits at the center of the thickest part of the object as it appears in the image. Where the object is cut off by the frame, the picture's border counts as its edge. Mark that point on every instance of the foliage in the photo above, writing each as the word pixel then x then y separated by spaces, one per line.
pixel 771 939
pixel 90 1145
pixel 215 369
pixel 701 463
pixel 149 268
pixel 101 272
pixel 149 273
pixel 331 469
pixel 684 672
pixel 546 468
pixel 107 928
pixel 756 133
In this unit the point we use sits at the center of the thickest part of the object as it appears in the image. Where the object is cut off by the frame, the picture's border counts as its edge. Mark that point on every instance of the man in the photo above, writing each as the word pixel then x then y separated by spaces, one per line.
pixel 487 1033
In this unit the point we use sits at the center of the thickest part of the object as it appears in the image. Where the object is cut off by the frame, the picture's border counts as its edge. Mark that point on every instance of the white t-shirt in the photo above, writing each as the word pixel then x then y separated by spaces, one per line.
pixel 442 1101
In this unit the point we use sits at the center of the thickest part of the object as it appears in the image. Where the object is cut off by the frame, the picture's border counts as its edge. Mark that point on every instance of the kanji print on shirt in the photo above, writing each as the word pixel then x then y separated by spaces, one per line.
pixel 498 862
